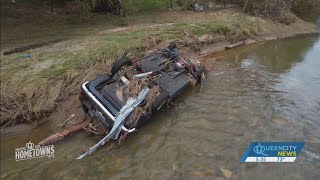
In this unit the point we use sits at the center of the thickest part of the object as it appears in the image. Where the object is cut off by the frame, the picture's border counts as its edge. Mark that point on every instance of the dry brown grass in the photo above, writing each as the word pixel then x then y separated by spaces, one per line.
pixel 38 98
pixel 29 103
pixel 133 89
pixel 277 10
pixel 192 80
pixel 29 90
pixel 147 108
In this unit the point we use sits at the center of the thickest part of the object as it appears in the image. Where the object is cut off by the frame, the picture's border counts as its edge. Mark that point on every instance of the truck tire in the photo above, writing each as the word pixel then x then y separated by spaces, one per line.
pixel 160 100
pixel 119 64
pixel 172 45
pixel 200 70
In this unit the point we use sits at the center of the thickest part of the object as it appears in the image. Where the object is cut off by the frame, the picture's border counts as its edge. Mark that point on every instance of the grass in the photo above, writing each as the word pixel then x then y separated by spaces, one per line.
pixel 33 85
pixel 144 6
pixel 19 17
pixel 114 45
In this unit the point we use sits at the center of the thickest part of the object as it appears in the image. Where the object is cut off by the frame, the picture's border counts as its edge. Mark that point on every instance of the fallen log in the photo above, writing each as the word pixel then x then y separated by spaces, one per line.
pixel 235 45
pixel 62 134
pixel 31 46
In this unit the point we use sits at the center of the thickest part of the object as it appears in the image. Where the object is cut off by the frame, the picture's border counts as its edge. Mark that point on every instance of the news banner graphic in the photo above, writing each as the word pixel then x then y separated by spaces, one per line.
pixel 34 151
pixel 272 152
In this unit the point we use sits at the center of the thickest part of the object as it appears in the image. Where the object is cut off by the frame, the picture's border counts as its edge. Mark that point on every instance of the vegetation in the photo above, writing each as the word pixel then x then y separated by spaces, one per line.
pixel 32 87
pixel 50 74
pixel 267 8
pixel 278 10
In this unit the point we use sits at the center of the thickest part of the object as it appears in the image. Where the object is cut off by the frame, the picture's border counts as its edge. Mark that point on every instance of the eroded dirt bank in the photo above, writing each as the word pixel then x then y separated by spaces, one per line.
pixel 46 86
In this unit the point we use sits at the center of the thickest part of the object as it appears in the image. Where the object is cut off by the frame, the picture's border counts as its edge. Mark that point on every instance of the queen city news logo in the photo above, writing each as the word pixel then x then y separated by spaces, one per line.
pixel 272 152
pixel 31 151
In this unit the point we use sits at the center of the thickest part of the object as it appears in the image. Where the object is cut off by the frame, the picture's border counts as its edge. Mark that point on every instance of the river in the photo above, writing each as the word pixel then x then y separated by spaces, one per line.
pixel 268 91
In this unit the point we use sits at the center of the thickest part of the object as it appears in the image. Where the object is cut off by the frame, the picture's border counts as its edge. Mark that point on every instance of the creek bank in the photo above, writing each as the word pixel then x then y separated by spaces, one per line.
pixel 225 45
pixel 194 40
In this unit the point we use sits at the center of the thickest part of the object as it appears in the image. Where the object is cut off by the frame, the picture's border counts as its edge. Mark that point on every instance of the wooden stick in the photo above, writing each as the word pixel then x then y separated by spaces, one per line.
pixel 245 5
pixel 68 119
pixel 62 134
pixel 90 131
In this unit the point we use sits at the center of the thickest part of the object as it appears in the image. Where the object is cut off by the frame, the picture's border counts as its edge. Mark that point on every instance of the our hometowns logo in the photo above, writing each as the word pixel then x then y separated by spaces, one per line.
pixel 31 151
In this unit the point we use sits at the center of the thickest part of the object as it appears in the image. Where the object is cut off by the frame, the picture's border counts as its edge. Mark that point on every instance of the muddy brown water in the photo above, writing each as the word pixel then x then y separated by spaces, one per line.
pixel 268 91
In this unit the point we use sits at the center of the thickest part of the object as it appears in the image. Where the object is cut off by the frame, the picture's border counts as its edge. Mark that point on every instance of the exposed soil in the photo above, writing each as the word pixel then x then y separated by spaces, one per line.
pixel 66 101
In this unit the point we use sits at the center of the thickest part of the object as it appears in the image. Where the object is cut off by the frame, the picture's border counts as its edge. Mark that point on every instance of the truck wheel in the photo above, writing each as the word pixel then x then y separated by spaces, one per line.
pixel 119 64
pixel 200 70
pixel 172 45
pixel 85 109
pixel 160 100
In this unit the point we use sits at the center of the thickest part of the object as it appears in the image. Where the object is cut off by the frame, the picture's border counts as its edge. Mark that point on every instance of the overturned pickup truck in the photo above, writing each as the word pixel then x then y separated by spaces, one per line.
pixel 135 90
pixel 165 71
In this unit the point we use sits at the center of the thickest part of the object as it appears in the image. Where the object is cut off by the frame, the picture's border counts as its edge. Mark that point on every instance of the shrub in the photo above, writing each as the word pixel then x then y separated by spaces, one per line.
pixel 276 10
pixel 306 7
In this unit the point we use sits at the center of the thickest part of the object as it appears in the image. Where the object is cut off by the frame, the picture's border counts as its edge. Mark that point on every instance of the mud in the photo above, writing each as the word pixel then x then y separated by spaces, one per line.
pixel 252 93
pixel 62 100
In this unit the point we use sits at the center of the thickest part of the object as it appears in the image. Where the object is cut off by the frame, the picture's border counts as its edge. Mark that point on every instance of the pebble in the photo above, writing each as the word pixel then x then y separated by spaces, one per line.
pixel 203 173
pixel 174 167
pixel 281 121
pixel 227 174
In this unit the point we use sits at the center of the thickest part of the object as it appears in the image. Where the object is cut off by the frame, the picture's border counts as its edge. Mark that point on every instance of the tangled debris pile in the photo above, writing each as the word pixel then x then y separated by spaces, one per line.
pixel 139 80
pixel 132 90
pixel 126 98
pixel 124 112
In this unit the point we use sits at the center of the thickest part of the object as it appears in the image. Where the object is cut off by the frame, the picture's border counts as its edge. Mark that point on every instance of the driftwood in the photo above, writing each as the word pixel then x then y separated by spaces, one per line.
pixel 61 135
pixel 31 46
pixel 235 45
pixel 68 119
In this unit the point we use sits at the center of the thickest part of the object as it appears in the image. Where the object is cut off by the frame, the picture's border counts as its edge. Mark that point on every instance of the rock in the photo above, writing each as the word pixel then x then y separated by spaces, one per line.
pixel 199 7
pixel 282 121
pixel 203 173
pixel 174 167
pixel 312 155
pixel 209 39
pixel 226 173
pixel 255 122
pixel 250 41
pixel 27 56
pixel 235 45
